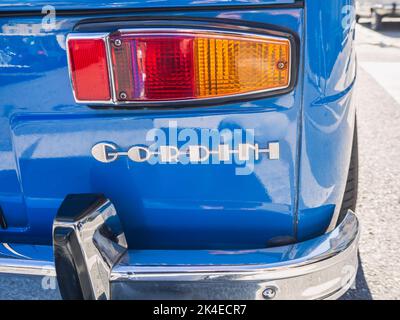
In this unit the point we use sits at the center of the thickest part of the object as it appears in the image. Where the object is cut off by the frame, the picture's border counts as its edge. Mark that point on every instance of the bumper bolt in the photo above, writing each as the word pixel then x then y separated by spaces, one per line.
pixel 269 293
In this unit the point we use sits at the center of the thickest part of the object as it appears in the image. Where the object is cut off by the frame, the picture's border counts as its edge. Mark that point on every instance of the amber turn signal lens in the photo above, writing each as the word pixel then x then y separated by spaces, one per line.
pixel 235 65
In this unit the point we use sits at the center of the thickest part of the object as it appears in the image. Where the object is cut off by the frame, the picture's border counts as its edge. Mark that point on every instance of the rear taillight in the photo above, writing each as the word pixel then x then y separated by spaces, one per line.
pixel 164 65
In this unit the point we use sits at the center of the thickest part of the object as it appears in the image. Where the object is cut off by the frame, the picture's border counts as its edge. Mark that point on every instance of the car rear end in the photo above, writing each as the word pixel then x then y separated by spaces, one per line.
pixel 218 134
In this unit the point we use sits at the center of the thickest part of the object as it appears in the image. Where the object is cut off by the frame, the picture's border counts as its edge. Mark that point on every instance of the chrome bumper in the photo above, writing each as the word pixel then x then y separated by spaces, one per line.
pixel 93 262
pixel 321 268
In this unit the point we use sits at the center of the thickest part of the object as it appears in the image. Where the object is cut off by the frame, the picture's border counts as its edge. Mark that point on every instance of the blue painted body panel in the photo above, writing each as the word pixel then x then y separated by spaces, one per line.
pixel 11 5
pixel 46 138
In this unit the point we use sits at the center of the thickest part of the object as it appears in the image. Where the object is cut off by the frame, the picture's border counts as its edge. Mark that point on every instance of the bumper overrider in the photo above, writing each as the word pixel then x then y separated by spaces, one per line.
pixel 92 261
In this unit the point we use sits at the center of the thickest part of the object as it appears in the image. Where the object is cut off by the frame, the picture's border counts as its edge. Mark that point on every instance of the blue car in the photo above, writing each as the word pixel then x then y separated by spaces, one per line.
pixel 183 149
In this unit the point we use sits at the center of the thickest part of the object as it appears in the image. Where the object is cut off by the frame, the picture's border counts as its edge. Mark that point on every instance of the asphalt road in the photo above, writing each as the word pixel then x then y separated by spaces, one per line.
pixel 378 102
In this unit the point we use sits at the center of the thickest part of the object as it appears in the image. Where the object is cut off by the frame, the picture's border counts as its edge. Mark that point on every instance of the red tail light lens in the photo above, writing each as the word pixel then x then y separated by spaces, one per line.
pixel 167 64
pixel 163 65
pixel 89 70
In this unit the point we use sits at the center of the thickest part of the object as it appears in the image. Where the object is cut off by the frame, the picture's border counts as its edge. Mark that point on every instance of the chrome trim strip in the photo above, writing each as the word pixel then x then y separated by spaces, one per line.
pixel 171 31
pixel 27 267
pixel 110 70
pixel 76 36
pixel 26 259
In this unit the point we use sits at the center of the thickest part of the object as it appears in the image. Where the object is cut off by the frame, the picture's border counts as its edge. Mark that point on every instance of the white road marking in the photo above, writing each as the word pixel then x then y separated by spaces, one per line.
pixel 386 74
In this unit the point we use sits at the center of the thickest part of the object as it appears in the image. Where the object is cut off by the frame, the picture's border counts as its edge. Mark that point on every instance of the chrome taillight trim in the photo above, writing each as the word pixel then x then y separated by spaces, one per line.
pixel 114 102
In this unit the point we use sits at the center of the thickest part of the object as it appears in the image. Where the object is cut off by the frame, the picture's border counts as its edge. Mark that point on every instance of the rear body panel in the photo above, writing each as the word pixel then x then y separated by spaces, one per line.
pixel 46 138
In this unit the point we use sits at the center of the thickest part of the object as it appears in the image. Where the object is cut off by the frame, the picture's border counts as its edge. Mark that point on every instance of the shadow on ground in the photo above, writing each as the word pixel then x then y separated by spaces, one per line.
pixel 361 290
